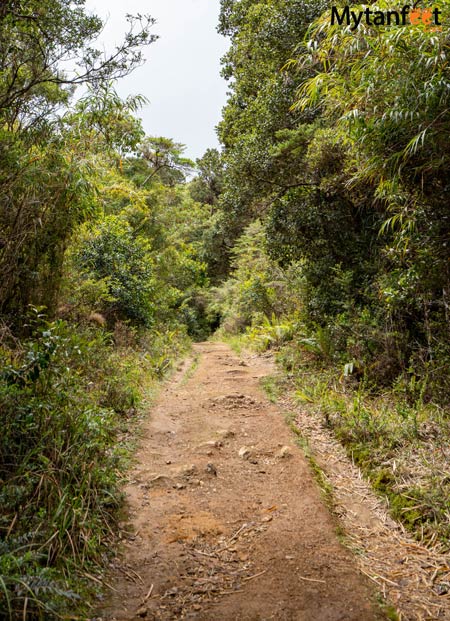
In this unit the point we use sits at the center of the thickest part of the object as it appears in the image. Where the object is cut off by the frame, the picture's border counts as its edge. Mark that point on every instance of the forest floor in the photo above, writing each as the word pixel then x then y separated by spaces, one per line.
pixel 225 520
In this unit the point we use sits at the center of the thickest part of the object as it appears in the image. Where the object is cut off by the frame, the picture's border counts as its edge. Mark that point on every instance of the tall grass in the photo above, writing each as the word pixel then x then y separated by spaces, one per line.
pixel 65 396
pixel 399 440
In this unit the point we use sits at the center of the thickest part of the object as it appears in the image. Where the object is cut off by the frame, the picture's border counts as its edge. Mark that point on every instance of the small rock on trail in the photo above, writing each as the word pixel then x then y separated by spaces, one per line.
pixel 217 537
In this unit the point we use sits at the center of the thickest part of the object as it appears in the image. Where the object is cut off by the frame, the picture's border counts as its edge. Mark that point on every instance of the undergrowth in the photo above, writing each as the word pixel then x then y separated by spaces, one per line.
pixel 67 396
pixel 398 438
pixel 401 447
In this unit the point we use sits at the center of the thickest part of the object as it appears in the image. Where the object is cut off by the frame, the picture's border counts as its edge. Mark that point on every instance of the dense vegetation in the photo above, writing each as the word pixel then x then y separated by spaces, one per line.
pixel 334 213
pixel 101 280
pixel 321 230
pixel 335 139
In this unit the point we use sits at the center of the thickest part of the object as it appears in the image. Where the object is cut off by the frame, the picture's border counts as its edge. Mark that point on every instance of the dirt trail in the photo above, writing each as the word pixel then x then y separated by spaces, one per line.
pixel 228 522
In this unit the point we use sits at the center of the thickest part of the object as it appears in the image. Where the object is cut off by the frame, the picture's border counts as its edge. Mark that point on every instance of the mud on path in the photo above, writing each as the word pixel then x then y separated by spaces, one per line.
pixel 227 521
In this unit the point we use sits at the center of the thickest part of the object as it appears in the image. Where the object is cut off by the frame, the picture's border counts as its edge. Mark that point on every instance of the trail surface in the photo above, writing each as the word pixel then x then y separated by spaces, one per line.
pixel 227 522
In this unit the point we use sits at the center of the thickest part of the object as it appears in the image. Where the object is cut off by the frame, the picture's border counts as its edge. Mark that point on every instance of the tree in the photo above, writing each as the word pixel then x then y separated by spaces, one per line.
pixel 207 187
pixel 111 253
pixel 387 89
pixel 163 160
pixel 40 39
pixel 49 154
pixel 263 35
pixel 345 161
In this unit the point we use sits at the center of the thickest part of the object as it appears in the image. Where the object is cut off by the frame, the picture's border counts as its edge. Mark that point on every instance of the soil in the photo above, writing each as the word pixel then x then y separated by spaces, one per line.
pixel 226 521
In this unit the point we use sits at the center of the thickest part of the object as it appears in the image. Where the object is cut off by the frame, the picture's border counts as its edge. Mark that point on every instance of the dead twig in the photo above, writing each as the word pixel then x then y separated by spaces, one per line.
pixel 311 579
pixel 234 537
pixel 129 575
pixel 206 553
pixel 238 532
pixel 149 594
pixel 101 582
pixel 255 576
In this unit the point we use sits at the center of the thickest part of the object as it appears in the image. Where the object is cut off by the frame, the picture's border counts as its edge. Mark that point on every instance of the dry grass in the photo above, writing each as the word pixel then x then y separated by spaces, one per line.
pixel 412 576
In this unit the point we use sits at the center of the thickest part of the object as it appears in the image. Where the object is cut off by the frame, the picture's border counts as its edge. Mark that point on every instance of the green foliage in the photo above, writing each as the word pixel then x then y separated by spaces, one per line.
pixel 387 90
pixel 142 260
pixel 64 397
pixel 339 151
pixel 49 154
pixel 160 159
pixel 103 123
pixel 206 188
pixel 57 467
pixel 35 225
pixel 263 35
pixel 111 254
pixel 271 333
pixel 257 287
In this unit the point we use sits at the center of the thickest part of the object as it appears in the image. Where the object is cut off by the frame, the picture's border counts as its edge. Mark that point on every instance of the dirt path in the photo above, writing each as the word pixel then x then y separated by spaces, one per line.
pixel 228 522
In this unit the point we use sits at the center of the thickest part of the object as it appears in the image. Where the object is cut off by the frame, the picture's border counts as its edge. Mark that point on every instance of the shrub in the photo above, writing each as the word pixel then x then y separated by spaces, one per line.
pixel 60 393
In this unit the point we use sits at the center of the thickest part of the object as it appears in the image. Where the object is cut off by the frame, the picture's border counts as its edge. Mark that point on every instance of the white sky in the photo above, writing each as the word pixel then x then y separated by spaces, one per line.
pixel 181 75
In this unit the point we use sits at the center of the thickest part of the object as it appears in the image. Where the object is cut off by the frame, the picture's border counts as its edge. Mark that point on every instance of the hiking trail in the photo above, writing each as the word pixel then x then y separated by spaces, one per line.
pixel 226 521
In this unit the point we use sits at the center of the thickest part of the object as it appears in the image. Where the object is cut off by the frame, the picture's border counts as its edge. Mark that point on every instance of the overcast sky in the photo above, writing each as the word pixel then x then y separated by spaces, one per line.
pixel 181 75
